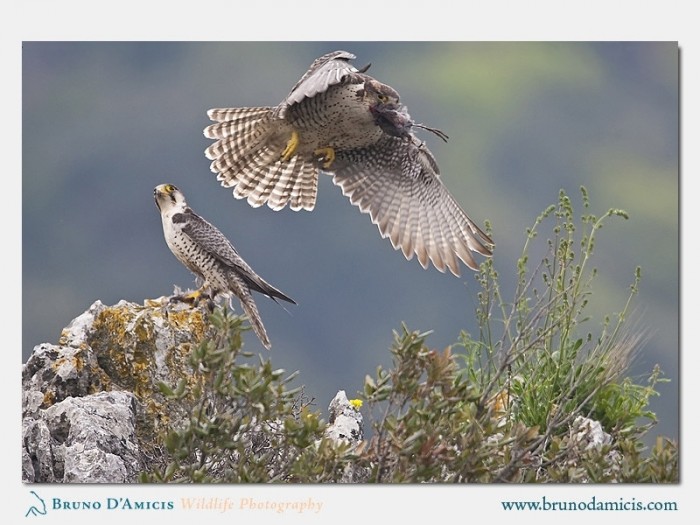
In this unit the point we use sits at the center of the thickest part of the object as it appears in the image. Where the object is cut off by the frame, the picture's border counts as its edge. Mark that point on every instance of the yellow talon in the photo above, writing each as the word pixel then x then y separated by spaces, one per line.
pixel 192 296
pixel 328 155
pixel 291 148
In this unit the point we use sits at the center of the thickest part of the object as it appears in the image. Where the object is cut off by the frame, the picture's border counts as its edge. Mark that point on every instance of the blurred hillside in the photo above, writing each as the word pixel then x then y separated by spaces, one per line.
pixel 104 123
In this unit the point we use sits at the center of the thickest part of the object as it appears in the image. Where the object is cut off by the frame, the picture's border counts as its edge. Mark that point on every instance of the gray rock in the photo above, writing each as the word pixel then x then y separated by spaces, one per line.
pixel 345 425
pixel 344 420
pixel 92 406
pixel 84 440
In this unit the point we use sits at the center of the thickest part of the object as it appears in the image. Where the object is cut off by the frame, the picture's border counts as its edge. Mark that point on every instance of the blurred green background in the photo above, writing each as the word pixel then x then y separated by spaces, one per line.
pixel 105 122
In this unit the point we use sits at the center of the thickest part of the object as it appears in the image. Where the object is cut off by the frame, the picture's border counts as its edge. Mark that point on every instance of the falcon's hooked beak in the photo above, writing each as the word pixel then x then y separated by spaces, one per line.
pixel 162 192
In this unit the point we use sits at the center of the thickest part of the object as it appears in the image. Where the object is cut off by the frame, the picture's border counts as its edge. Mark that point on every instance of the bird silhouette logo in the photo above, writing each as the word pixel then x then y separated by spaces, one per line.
pixel 38 508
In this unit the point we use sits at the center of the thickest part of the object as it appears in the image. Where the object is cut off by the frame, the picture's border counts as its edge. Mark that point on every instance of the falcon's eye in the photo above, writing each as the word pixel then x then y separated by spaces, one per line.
pixel 382 98
pixel 169 188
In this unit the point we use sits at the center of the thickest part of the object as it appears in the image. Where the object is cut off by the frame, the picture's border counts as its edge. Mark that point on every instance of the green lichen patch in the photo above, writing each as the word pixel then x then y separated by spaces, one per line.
pixel 138 347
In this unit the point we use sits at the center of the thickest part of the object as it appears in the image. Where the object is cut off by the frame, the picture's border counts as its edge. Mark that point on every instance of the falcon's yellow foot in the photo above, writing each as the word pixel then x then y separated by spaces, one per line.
pixel 292 145
pixel 194 298
pixel 327 154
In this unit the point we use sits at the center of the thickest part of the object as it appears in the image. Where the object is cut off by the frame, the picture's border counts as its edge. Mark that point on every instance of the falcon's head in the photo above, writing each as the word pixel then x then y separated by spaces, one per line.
pixel 167 197
pixel 380 96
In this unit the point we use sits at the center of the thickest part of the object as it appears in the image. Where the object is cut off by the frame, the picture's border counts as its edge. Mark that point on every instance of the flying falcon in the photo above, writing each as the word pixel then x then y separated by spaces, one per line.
pixel 207 253
pixel 339 120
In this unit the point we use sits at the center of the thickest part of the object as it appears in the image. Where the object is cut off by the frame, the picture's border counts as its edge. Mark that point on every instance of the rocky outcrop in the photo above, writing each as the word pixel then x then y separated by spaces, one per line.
pixel 345 420
pixel 345 424
pixel 89 439
pixel 92 407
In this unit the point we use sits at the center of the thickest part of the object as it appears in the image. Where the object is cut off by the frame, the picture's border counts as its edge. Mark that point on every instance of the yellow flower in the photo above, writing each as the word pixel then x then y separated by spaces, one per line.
pixel 356 403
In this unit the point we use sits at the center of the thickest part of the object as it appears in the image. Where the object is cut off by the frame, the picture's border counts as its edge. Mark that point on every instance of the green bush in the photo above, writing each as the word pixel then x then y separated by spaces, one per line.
pixel 530 399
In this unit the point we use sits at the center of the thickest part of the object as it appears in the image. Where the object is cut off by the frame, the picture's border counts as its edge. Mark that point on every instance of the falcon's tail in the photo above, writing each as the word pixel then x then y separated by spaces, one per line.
pixel 251 311
pixel 247 156
pixel 266 288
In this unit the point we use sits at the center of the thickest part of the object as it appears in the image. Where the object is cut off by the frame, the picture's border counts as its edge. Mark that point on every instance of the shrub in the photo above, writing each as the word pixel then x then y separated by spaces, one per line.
pixel 530 399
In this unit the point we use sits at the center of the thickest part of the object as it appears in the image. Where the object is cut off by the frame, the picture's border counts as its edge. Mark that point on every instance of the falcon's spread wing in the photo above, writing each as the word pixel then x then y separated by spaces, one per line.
pixel 397 182
pixel 363 137
pixel 249 147
pixel 328 70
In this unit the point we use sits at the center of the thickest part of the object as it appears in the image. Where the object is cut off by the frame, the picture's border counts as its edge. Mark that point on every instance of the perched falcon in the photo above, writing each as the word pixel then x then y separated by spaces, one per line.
pixel 339 120
pixel 204 250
